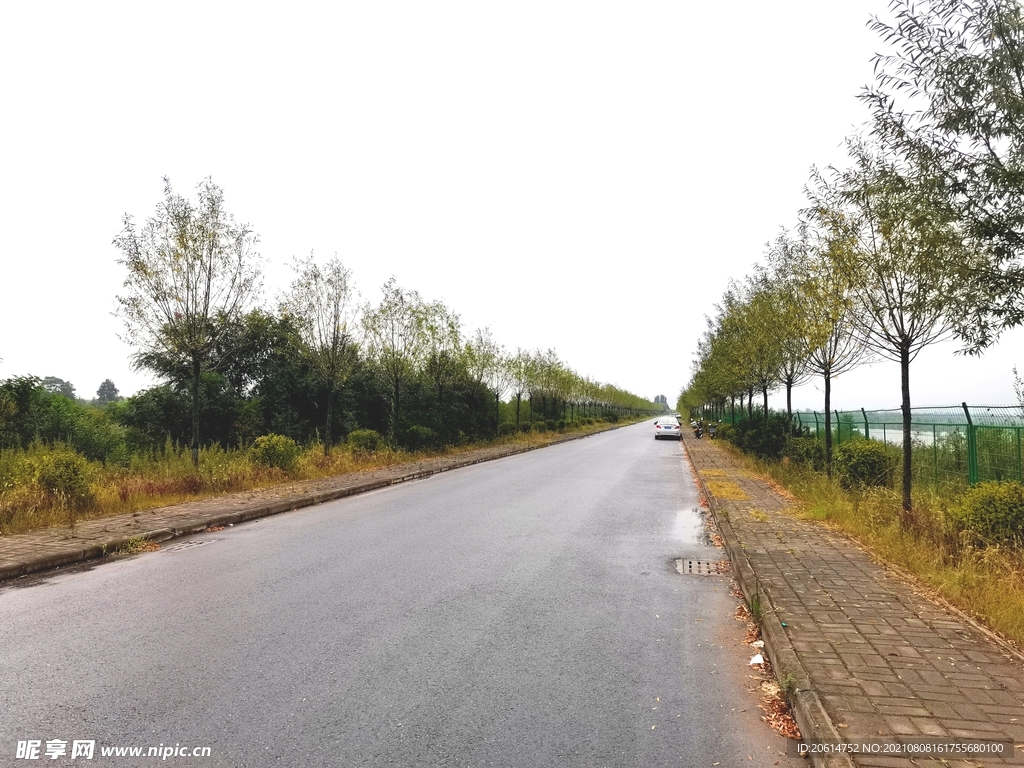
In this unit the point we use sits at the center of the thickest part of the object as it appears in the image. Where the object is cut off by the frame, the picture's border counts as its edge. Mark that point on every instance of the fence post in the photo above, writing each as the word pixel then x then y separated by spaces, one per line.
pixel 972 448
pixel 867 435
pixel 1020 471
pixel 817 432
pixel 935 452
pixel 839 429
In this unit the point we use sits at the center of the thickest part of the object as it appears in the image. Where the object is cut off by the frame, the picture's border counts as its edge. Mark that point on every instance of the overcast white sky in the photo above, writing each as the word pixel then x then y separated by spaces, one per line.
pixel 584 176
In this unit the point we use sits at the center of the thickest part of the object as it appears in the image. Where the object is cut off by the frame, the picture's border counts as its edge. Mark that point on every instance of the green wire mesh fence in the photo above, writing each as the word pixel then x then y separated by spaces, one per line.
pixel 951 444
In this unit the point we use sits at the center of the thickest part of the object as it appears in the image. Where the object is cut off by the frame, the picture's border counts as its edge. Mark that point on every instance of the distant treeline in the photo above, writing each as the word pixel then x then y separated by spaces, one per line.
pixel 266 385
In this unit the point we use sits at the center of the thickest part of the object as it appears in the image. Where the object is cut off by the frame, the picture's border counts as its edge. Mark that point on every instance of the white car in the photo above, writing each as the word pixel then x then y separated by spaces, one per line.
pixel 667 426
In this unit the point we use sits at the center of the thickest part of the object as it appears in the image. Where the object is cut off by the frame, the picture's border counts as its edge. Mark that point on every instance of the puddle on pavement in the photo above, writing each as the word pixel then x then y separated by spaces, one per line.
pixel 690 527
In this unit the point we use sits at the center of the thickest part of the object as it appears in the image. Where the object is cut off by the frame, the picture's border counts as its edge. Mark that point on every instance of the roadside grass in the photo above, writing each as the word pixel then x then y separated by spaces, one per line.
pixel 984 582
pixel 135 545
pixel 169 478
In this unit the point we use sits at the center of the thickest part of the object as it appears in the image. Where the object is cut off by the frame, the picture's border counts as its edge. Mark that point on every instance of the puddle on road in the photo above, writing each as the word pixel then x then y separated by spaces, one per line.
pixel 690 527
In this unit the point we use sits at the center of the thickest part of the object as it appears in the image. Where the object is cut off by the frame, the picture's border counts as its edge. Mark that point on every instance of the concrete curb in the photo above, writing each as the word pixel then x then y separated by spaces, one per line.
pixel 815 724
pixel 53 560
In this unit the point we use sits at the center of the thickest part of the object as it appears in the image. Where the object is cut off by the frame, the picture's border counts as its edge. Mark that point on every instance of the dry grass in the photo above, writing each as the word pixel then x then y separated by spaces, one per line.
pixel 726 489
pixel 170 478
pixel 714 474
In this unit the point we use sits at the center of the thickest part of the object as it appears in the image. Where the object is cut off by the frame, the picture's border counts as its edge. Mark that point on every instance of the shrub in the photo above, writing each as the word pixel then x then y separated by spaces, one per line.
pixel 865 464
pixel 365 440
pixel 418 437
pixel 725 432
pixel 763 437
pixel 560 425
pixel 611 418
pixel 806 450
pixel 551 425
pixel 992 512
pixel 275 451
pixel 540 426
pixel 525 426
pixel 65 475
pixel 506 429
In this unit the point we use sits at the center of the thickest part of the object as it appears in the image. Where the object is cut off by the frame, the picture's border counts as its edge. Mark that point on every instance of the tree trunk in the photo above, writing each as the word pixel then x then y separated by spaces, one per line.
pixel 907 446
pixel 750 403
pixel 497 412
pixel 519 400
pixel 327 426
pixel 764 391
pixel 196 372
pixel 440 407
pixel 732 408
pixel 789 399
pixel 394 416
pixel 828 423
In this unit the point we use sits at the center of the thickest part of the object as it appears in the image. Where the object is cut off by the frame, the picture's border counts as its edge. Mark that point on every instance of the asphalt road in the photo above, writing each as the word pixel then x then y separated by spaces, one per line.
pixel 522 612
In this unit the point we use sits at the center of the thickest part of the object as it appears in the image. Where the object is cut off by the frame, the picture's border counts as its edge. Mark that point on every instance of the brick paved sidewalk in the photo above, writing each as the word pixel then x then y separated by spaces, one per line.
pixel 881 659
pixel 25 553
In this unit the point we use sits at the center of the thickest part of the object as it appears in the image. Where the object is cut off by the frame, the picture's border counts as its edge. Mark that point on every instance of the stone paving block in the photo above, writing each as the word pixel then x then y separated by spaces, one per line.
pixel 972 729
pixel 994 709
pixel 1006 699
pixel 873 688
pixel 901 725
pixel 892 709
pixel 929 726
pixel 977 696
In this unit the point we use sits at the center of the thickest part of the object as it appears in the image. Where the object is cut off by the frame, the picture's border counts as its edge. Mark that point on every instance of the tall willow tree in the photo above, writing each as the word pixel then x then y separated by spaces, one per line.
pixel 911 265
pixel 396 342
pixel 825 289
pixel 192 271
pixel 785 257
pixel 322 303
pixel 489 366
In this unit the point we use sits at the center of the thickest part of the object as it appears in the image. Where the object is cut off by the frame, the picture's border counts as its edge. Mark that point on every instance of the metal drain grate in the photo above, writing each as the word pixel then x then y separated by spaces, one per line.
pixel 701 567
pixel 190 544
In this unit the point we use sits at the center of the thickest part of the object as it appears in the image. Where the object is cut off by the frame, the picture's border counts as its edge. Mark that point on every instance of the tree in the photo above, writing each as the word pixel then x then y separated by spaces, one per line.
pixel 191 271
pixel 56 386
pixel 322 304
pixel 785 256
pixel 489 365
pixel 949 98
pixel 908 265
pixel 444 359
pixel 760 319
pixel 546 370
pixel 825 289
pixel 107 393
pixel 395 342
pixel 521 373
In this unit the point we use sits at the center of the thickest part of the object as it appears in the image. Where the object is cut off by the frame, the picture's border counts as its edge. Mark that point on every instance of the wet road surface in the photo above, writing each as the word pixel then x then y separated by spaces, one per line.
pixel 522 612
